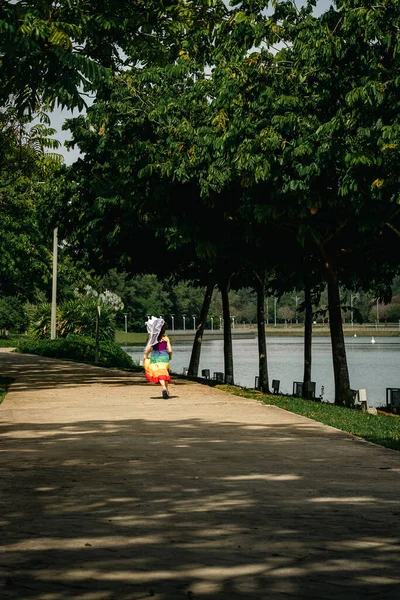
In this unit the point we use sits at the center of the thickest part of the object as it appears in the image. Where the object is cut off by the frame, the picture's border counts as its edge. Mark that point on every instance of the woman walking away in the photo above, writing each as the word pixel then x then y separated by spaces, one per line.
pixel 157 355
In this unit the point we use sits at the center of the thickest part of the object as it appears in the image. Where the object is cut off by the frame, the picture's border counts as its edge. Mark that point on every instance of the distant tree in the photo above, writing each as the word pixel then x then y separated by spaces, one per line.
pixel 394 312
pixel 286 313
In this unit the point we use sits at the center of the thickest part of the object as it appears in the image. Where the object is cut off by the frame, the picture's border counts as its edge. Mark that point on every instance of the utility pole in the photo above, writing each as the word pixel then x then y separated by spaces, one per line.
pixel 53 331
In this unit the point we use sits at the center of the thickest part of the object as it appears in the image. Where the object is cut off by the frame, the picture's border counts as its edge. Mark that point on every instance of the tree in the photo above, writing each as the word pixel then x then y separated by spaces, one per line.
pixel 55 52
pixel 310 147
pixel 24 250
pixel 12 315
pixel 195 356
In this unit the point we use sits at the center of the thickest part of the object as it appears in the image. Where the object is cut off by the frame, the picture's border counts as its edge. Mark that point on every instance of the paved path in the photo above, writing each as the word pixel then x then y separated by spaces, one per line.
pixel 109 492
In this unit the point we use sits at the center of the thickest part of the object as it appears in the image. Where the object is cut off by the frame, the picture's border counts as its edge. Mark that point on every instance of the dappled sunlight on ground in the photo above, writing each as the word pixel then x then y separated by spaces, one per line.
pixel 107 494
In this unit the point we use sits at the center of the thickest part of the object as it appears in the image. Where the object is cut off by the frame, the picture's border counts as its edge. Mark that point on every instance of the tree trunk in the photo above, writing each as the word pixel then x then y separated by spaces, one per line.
pixel 198 338
pixel 343 395
pixel 262 342
pixel 307 337
pixel 228 350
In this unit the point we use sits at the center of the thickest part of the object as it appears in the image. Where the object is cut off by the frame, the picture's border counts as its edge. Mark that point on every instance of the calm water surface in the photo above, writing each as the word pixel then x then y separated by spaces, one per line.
pixel 372 366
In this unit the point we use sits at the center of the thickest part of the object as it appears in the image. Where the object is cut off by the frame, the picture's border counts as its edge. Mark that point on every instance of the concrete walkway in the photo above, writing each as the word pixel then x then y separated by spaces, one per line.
pixel 109 492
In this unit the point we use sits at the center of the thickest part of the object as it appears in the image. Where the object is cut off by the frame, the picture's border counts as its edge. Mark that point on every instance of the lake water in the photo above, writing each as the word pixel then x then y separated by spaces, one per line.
pixel 373 367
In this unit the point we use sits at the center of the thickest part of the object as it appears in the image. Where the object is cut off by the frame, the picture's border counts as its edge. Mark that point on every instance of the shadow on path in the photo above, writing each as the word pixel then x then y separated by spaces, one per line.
pixel 205 497
pixel 193 509
pixel 37 372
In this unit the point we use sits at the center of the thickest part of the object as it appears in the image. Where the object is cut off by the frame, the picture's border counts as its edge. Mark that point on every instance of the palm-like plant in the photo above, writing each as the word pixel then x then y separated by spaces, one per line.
pixel 74 317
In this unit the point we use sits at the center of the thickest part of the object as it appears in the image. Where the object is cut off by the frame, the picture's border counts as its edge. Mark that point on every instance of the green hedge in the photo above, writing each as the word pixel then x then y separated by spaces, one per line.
pixel 8 342
pixel 79 348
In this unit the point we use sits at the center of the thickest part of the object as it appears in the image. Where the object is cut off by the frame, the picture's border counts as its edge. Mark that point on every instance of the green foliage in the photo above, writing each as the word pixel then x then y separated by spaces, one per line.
pixel 13 317
pixel 76 316
pixel 130 338
pixel 25 259
pixel 378 429
pixel 25 165
pixel 51 52
pixel 394 312
pixel 79 348
pixel 40 320
pixel 27 148
pixel 8 341
pixel 79 316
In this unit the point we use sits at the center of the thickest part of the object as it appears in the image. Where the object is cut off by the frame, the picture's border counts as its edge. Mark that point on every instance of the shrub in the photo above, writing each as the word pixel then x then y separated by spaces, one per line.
pixel 12 315
pixel 79 316
pixel 73 317
pixel 79 348
pixel 40 323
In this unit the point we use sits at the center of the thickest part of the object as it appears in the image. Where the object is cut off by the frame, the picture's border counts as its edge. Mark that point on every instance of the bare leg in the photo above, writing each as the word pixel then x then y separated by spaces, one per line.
pixel 164 389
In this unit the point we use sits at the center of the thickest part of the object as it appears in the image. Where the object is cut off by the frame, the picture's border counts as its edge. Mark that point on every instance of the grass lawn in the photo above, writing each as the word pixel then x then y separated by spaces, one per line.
pixel 4 383
pixel 131 338
pixel 379 429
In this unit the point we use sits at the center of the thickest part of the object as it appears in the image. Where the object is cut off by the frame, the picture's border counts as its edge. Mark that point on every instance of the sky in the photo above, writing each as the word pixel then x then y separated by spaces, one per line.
pixel 58 116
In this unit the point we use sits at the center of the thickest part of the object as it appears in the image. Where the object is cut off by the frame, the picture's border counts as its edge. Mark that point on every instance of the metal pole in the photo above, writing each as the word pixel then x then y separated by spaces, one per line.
pixel 275 300
pixel 97 340
pixel 194 323
pixel 184 322
pixel 351 307
pixel 53 331
pixel 212 323
pixel 173 324
pixel 126 322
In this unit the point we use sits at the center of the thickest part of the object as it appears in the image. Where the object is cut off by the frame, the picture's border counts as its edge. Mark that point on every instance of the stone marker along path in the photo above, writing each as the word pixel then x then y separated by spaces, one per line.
pixel 109 492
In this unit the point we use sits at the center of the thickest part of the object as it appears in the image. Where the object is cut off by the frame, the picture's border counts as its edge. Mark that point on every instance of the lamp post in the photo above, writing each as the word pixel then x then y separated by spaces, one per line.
pixel 296 299
pixel 220 322
pixel 212 323
pixel 275 301
pixel 377 312
pixel 54 289
pixel 352 297
pixel 184 322
pixel 233 322
pixel 173 322
pixel 126 322
pixel 194 323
